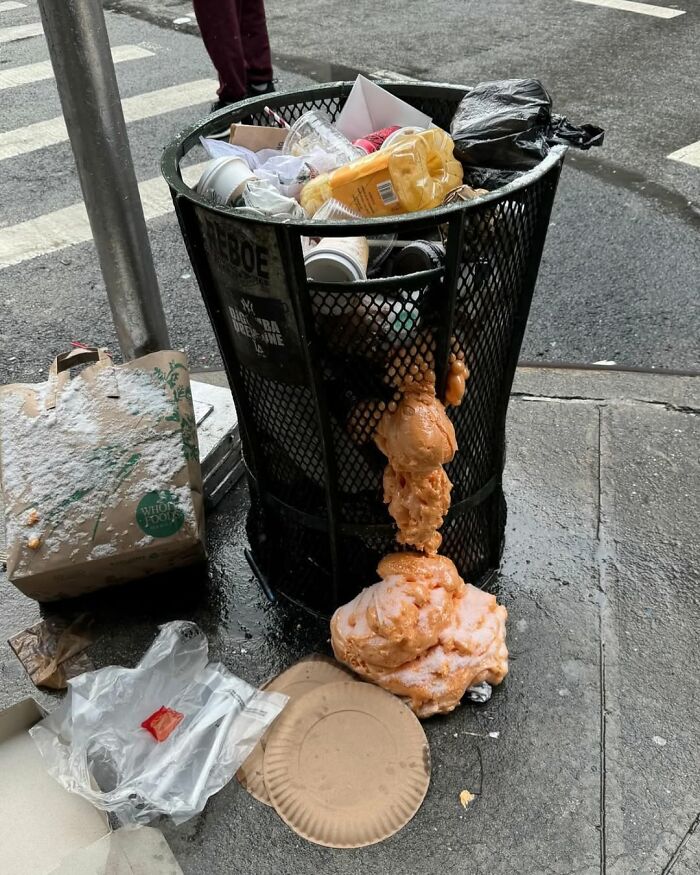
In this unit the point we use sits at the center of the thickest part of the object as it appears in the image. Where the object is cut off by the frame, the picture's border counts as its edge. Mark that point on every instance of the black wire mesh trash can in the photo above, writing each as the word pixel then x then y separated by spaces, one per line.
pixel 311 364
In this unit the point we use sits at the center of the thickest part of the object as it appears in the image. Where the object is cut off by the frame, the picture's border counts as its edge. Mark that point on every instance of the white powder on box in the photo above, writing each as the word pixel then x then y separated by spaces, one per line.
pixel 146 541
pixel 101 551
pixel 65 464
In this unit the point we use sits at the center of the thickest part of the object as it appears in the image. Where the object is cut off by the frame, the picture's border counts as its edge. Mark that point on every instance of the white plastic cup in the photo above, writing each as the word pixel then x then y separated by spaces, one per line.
pixel 338 260
pixel 224 179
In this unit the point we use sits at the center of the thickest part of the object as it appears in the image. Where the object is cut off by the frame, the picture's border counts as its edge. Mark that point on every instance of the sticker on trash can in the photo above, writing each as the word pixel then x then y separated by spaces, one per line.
pixel 247 268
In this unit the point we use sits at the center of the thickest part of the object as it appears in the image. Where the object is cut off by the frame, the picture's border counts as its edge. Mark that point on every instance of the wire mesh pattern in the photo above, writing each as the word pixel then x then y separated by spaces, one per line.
pixel 318 525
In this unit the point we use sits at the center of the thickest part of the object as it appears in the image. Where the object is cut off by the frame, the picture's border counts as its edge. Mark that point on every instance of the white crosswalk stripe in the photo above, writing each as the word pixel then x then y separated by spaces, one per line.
pixel 687 155
pixel 60 229
pixel 9 5
pixel 640 8
pixel 142 106
pixel 30 73
pixel 20 31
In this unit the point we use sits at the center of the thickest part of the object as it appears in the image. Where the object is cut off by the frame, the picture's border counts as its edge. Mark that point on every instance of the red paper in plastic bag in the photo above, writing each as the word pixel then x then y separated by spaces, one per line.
pixel 162 722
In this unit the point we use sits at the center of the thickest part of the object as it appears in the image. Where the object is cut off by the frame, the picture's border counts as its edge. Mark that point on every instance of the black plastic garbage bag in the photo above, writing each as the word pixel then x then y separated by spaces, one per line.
pixel 510 124
pixel 490 178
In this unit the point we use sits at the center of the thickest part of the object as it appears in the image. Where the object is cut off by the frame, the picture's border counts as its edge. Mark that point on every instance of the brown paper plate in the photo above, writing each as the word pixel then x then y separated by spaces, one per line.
pixel 300 678
pixel 348 766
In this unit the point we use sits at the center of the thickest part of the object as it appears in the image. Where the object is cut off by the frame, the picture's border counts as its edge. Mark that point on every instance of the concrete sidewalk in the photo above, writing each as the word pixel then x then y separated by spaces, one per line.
pixel 593 763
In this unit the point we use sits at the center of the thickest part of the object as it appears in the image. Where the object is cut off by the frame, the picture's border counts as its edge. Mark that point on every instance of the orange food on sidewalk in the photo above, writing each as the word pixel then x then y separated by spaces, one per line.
pixel 422 633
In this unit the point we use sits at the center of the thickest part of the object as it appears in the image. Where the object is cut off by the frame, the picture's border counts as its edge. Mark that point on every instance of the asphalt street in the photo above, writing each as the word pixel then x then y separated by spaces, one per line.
pixel 619 277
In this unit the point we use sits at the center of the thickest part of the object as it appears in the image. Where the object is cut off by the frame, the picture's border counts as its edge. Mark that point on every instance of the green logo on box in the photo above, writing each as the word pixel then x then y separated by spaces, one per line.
pixel 159 514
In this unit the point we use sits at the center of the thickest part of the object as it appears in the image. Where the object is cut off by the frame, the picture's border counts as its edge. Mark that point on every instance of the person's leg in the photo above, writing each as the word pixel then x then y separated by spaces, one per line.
pixel 219 25
pixel 256 44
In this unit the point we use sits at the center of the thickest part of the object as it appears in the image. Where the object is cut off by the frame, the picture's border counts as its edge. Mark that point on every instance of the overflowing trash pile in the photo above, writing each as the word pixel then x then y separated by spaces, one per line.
pixel 101 484
pixel 381 158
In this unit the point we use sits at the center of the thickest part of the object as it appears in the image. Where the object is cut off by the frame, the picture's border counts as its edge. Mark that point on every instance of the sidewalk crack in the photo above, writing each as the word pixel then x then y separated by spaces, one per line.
pixel 601 638
pixel 679 850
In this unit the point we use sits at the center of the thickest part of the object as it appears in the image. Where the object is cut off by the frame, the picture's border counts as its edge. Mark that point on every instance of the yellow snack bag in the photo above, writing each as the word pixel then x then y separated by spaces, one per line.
pixel 415 173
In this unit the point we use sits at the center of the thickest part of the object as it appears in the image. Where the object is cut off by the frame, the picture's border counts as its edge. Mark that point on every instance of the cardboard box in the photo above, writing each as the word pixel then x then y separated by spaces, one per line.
pixel 100 474
pixel 45 830
pixel 257 137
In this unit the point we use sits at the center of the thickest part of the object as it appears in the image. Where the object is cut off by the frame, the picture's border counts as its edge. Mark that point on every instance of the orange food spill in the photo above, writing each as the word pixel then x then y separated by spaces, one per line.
pixel 418 439
pixel 422 633
pixel 456 383
pixel 418 503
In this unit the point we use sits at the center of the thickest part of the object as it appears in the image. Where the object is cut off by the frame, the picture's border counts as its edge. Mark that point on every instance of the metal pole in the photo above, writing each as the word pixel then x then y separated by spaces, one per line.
pixel 87 85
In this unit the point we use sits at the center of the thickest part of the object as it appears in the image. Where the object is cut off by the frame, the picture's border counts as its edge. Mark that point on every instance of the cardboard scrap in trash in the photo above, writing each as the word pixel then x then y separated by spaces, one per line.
pixel 53 650
pixel 257 137
pixel 45 830
pixel 370 107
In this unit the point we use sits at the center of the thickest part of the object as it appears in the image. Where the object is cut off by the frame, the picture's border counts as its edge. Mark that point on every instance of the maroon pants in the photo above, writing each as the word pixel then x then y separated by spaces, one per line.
pixel 235 36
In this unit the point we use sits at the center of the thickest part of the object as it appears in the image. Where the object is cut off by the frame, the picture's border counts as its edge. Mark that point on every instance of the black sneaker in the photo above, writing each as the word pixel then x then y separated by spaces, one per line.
pixel 220 104
pixel 258 89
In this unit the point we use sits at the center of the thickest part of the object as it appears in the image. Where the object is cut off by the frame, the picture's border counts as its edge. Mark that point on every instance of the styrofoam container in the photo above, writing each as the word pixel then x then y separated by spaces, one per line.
pixel 224 179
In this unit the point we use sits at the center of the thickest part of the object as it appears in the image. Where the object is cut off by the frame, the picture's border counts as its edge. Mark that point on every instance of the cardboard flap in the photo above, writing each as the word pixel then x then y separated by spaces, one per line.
pixel 45 830
pixel 141 851
pixel 40 823
pixel 257 137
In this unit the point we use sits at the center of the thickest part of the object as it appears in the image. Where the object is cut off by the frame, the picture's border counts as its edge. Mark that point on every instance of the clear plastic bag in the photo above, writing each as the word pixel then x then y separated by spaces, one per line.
pixel 267 200
pixel 94 743
pixel 222 149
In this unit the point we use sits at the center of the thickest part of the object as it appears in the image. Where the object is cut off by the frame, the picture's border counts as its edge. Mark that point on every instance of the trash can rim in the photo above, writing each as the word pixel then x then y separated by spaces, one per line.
pixel 179 147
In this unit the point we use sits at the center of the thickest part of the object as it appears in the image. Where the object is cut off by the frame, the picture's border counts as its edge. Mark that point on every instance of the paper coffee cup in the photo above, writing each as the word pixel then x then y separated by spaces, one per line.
pixel 223 179
pixel 338 260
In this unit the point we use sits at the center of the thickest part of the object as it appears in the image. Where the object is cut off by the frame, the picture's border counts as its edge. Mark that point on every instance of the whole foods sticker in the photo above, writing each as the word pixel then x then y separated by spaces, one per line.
pixel 159 514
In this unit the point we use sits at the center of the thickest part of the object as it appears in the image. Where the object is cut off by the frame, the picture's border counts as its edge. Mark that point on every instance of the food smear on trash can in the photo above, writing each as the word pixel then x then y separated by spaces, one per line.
pixel 422 633
pixel 418 438
pixel 456 383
